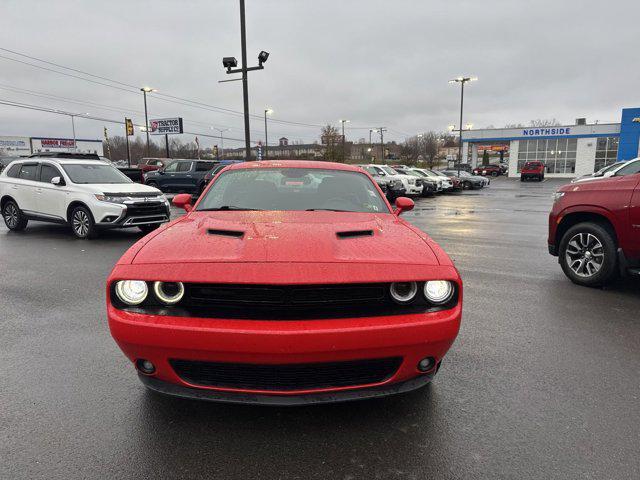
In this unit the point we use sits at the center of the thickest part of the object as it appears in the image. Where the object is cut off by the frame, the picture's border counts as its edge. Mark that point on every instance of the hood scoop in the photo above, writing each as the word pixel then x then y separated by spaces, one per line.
pixel 225 233
pixel 355 233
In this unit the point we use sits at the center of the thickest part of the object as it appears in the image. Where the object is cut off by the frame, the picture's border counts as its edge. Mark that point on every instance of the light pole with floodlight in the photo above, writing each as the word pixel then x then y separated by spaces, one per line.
pixel 267 111
pixel 461 81
pixel 221 150
pixel 144 91
pixel 344 153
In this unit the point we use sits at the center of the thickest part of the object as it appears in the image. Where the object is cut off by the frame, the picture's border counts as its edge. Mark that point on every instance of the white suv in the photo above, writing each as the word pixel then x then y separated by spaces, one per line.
pixel 412 185
pixel 79 190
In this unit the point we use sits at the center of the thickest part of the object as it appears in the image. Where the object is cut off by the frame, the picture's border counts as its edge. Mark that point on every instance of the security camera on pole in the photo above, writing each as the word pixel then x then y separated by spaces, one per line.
pixel 230 63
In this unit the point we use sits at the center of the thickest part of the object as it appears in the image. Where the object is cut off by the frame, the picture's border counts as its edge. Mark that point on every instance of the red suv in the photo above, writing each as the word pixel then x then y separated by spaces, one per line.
pixel 532 170
pixel 594 227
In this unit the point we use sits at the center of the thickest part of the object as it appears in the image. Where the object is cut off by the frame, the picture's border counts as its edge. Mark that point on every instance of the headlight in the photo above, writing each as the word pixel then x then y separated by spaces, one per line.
pixel 557 196
pixel 132 292
pixel 438 292
pixel 169 292
pixel 403 292
pixel 107 198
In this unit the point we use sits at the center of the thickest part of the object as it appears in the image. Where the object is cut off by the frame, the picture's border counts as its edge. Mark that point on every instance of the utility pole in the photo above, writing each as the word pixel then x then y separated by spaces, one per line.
pixel 221 150
pixel 382 130
pixel 344 151
pixel 266 138
pixel 371 130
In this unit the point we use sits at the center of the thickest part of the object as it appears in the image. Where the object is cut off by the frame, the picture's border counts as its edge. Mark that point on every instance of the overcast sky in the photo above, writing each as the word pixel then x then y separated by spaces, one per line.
pixel 376 63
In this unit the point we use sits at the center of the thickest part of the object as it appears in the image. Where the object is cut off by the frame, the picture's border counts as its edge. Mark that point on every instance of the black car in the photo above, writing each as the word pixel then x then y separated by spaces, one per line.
pixel 181 176
pixel 469 182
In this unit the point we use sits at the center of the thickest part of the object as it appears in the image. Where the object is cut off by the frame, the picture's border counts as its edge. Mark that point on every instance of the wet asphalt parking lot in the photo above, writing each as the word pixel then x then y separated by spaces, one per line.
pixel 543 381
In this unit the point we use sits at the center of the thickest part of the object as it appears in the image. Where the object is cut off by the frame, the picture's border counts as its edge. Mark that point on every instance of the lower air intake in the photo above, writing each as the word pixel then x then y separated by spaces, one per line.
pixel 290 377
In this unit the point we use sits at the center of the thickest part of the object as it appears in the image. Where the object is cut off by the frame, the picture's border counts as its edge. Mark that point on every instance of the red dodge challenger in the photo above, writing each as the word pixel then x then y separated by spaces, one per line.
pixel 287 283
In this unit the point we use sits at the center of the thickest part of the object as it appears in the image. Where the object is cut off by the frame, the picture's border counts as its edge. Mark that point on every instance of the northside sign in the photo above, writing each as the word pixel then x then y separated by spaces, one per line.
pixel 539 132
pixel 164 126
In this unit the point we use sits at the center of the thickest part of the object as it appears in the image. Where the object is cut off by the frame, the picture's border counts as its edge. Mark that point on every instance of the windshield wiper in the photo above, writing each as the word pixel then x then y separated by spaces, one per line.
pixel 326 210
pixel 229 207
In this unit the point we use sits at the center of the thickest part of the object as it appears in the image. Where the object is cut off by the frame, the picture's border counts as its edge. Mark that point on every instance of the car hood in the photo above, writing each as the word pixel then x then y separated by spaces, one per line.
pixel 287 237
pixel 114 188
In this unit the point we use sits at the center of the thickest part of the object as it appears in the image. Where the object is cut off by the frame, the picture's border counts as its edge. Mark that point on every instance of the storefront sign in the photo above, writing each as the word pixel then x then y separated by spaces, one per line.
pixel 164 126
pixel 542 132
pixel 56 143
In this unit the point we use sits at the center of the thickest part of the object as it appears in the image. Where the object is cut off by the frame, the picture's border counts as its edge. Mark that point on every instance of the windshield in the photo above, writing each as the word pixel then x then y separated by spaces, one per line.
pixel 389 170
pixel 293 189
pixel 95 173
pixel 465 174
pixel 373 171
pixel 439 173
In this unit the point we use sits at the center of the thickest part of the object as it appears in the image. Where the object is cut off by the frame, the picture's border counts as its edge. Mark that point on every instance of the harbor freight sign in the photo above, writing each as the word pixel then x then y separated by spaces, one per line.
pixel 166 126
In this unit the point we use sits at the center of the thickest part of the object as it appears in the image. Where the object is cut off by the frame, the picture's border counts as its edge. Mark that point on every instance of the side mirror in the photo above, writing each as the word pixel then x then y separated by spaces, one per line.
pixel 403 204
pixel 183 200
pixel 57 181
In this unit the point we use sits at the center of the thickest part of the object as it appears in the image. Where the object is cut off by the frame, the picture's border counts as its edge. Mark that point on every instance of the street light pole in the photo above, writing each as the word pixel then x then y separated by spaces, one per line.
pixel 73 127
pixel 371 130
pixel 245 84
pixel 344 152
pixel 144 91
pixel 461 81
pixel 268 111
pixel 382 130
pixel 221 151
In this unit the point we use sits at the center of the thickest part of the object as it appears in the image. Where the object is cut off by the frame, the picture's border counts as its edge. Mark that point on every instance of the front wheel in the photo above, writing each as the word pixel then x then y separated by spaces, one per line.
pixel 466 185
pixel 82 223
pixel 14 219
pixel 494 174
pixel 587 255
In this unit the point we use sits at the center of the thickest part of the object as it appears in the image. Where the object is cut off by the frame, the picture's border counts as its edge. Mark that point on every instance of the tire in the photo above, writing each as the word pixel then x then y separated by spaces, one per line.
pixel 588 255
pixel 522 179
pixel 14 219
pixel 494 174
pixel 82 223
pixel 148 228
pixel 466 185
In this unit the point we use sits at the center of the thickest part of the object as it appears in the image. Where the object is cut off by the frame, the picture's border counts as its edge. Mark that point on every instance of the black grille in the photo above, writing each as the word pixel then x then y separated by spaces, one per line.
pixel 307 376
pixel 144 209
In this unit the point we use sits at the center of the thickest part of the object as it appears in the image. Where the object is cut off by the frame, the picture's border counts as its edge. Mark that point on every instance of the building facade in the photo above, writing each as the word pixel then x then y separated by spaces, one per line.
pixel 566 150
pixel 22 146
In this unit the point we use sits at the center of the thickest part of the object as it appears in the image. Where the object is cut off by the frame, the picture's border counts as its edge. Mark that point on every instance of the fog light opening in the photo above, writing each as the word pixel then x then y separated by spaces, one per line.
pixel 145 366
pixel 426 364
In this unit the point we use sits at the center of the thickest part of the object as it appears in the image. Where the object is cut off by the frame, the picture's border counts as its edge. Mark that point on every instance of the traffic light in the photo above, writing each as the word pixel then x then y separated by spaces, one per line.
pixel 129 127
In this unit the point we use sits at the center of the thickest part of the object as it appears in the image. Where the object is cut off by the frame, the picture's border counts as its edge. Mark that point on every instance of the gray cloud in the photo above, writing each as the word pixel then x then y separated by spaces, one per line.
pixel 373 62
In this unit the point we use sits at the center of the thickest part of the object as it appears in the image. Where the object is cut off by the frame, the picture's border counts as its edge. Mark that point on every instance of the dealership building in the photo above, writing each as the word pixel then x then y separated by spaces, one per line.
pixel 566 150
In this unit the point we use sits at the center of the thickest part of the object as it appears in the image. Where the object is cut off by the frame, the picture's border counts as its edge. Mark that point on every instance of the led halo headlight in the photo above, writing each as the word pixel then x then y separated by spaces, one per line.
pixel 132 292
pixel 438 292
pixel 403 292
pixel 172 297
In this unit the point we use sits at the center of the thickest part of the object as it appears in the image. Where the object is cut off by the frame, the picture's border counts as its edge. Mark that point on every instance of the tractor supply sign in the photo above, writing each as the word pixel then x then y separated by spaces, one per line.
pixel 166 126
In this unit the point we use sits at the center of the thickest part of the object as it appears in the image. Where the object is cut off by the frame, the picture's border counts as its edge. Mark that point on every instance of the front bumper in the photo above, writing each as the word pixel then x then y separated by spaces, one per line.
pixel 413 190
pixel 132 215
pixel 160 339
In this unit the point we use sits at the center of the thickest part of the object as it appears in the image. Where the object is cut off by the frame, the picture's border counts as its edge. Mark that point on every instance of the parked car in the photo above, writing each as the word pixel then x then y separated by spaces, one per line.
pixel 153 164
pixel 429 185
pixel 493 170
pixel 454 182
pixel 444 183
pixel 89 195
pixel 4 161
pixel 332 296
pixel 219 165
pixel 411 183
pixel 534 170
pixel 133 173
pixel 468 181
pixel 607 171
pixel 395 187
pixel 594 227
pixel 180 176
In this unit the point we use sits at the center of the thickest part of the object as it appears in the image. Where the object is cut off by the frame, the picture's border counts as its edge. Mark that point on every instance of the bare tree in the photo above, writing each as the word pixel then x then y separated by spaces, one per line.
pixel 332 139
pixel 424 146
